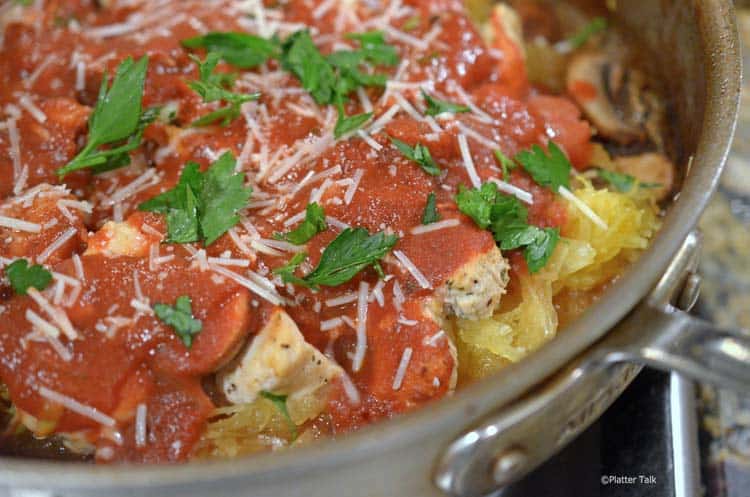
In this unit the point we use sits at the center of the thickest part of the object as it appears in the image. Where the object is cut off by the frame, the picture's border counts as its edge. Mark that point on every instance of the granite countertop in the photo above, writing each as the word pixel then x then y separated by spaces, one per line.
pixel 725 300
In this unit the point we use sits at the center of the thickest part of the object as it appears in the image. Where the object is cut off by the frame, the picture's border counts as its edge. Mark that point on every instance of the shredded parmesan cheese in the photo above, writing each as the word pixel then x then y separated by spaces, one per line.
pixel 361 347
pixel 77 407
pixel 413 270
pixel 57 315
pixel 520 194
pixel 401 371
pixel 581 206
pixel 140 425
pixel 468 161
pixel 19 224
pixel 273 297
pixel 59 242
pixel 440 225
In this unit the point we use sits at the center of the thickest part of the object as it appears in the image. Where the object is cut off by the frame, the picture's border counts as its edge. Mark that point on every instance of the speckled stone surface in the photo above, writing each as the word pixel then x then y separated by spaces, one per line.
pixel 725 300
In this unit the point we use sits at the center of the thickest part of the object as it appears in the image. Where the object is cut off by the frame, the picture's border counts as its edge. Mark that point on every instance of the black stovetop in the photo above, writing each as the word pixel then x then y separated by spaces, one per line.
pixel 632 439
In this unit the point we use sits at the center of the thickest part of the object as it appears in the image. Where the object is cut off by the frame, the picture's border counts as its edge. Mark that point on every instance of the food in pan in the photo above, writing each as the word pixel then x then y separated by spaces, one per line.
pixel 235 226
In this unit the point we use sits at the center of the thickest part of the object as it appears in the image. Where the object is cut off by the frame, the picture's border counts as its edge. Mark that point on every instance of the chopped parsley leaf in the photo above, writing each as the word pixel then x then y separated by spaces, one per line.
pixel 287 270
pixel 596 26
pixel 539 247
pixel 506 163
pixel 431 214
pixel 280 402
pixel 623 183
pixel 346 124
pixel 214 87
pixel 239 49
pixel 22 276
pixel 550 169
pixel 330 79
pixel 507 218
pixel 314 223
pixel 180 318
pixel 477 203
pixel 203 206
pixel 419 154
pixel 374 49
pixel 436 107
pixel 348 254
pixel 302 58
pixel 117 120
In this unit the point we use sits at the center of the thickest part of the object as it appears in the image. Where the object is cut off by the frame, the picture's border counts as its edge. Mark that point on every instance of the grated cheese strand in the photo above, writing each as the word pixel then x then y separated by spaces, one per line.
pixel 58 316
pixel 54 246
pixel 401 371
pixel 140 425
pixel 520 194
pixel 413 270
pixel 77 407
pixel 581 206
pixel 19 224
pixel 361 347
pixel 468 161
pixel 440 225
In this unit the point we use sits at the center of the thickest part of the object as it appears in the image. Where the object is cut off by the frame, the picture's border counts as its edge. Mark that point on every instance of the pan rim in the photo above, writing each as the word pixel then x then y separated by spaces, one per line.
pixel 721 53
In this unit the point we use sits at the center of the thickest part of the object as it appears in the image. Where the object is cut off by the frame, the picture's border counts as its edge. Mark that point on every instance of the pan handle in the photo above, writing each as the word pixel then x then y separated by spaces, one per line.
pixel 673 340
pixel 517 439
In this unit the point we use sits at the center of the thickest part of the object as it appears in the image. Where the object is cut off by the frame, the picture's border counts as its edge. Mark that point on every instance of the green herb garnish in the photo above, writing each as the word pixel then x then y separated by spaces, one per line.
pixel 302 58
pixel 22 276
pixel 507 219
pixel 374 49
pixel 239 49
pixel 622 182
pixel 314 223
pixel 346 124
pixel 550 169
pixel 596 26
pixel 331 79
pixel 506 163
pixel 477 203
pixel 214 87
pixel 280 402
pixel 203 206
pixel 431 214
pixel 348 254
pixel 419 154
pixel 286 272
pixel 117 120
pixel 436 107
pixel 180 318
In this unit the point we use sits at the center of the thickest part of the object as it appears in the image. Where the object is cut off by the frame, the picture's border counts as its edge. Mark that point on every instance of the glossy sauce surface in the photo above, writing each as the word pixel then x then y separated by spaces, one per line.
pixel 139 360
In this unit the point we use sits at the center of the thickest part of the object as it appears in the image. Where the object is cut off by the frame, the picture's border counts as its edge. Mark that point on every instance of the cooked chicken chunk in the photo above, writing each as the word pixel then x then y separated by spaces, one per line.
pixel 52 224
pixel 474 290
pixel 278 360
pixel 132 237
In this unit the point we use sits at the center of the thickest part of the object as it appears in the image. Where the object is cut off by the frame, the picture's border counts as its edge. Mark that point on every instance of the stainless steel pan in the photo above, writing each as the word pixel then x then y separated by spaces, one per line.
pixel 495 431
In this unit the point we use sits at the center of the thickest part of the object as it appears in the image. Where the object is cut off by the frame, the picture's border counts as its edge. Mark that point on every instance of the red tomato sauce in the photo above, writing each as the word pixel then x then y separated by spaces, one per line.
pixel 123 356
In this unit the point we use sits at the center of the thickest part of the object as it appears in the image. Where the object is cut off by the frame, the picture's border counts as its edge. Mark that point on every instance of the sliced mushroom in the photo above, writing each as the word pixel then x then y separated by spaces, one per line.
pixel 651 169
pixel 614 98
